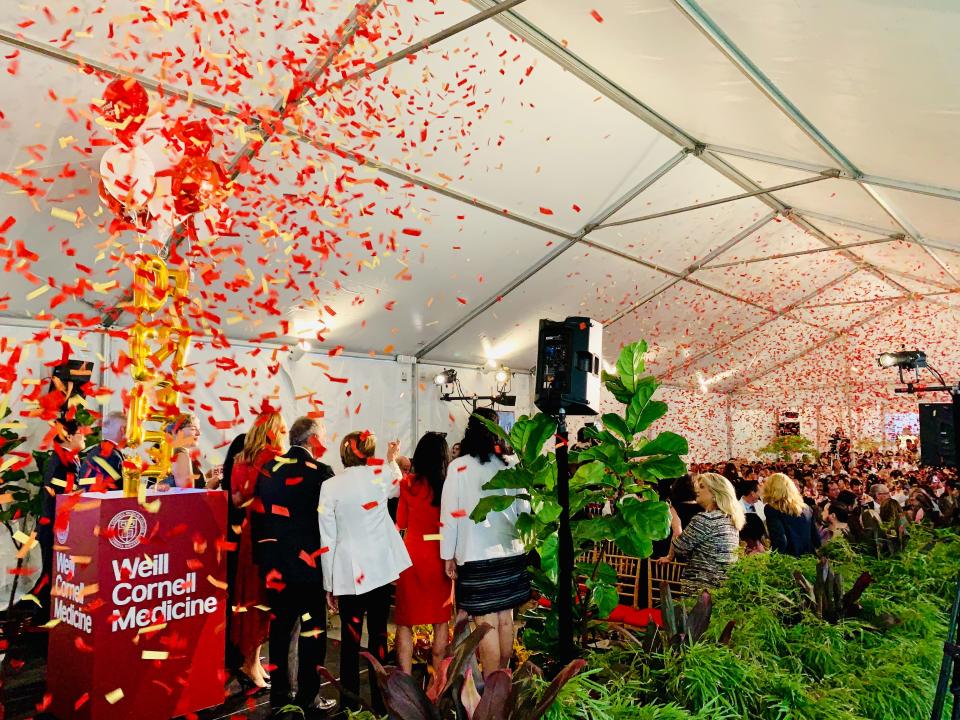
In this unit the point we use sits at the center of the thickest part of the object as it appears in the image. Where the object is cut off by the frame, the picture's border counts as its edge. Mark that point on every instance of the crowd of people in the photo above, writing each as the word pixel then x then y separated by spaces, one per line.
pixel 721 510
pixel 383 532
pixel 394 532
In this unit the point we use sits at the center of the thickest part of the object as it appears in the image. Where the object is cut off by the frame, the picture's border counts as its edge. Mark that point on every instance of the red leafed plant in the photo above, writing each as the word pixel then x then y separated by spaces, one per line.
pixel 452 692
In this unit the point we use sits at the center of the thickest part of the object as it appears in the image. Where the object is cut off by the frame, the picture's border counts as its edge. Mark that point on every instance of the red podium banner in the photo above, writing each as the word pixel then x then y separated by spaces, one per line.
pixel 139 600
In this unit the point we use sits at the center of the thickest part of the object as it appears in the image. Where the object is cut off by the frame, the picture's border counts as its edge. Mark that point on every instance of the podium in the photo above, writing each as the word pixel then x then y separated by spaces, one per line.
pixel 139 600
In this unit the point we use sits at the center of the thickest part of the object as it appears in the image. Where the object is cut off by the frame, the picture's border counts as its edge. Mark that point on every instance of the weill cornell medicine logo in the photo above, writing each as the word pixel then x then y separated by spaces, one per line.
pixel 126 529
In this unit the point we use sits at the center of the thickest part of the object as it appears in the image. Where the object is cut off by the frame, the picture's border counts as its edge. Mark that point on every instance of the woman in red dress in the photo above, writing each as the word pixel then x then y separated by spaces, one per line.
pixel 424 592
pixel 250 625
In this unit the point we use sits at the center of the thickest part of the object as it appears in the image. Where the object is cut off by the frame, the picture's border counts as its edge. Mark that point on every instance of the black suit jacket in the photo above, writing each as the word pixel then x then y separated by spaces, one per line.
pixel 285 525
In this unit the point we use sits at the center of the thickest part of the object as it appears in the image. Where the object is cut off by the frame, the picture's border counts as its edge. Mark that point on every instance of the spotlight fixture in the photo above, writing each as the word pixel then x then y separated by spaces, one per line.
pixel 503 375
pixel 904 359
pixel 447 377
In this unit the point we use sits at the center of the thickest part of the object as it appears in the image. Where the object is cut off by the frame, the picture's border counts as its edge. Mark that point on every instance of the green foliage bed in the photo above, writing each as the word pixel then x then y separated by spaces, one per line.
pixel 784 663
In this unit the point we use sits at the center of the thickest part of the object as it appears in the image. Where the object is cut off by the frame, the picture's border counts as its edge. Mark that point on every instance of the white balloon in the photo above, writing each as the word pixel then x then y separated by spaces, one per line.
pixel 128 174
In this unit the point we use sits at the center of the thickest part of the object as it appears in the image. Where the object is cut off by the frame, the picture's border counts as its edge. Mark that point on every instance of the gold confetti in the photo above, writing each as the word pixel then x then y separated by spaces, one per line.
pixel 114 696
pixel 154 655
pixel 62 214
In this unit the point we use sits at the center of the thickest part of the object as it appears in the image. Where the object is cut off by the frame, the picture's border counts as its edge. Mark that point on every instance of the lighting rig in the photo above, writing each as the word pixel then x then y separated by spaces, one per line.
pixel 447 381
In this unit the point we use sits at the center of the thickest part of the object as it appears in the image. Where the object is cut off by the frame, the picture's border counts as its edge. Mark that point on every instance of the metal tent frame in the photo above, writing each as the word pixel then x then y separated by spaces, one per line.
pixel 509 14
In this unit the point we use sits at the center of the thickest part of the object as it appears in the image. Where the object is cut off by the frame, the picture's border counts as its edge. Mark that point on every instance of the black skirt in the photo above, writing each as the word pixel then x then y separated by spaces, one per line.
pixel 487 586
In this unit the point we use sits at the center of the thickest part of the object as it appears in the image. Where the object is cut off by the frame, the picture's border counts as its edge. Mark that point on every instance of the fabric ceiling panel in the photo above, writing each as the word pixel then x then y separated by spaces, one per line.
pixel 647 46
pixel 236 46
pixel 826 56
pixel 676 241
pixel 737 363
pixel 403 263
pixel 780 282
pixel 487 115
pixel 906 260
pixel 680 323
pixel 839 317
pixel 935 218
pixel 840 198
pixel 825 366
pixel 584 282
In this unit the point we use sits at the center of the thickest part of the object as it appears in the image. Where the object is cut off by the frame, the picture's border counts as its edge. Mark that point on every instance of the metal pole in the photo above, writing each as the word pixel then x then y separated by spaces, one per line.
pixel 565 546
pixel 949 649
pixel 826 175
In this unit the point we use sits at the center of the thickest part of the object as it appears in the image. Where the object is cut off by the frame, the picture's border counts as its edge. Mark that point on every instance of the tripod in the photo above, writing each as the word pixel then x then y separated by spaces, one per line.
pixel 951 660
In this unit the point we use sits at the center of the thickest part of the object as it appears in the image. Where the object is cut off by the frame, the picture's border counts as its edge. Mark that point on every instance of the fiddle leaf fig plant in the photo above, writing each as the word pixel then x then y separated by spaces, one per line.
pixel 619 466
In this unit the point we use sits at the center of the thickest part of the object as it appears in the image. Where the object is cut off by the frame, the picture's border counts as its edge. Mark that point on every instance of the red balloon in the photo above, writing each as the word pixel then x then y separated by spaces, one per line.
pixel 125 103
pixel 196 184
pixel 195 136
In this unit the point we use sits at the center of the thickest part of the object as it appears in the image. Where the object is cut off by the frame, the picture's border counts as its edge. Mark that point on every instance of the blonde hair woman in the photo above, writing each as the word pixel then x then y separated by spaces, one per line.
pixel 709 543
pixel 790 521
pixel 250 624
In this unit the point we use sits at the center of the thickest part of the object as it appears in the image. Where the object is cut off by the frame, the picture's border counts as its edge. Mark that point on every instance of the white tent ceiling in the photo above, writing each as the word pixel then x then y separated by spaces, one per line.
pixel 485 182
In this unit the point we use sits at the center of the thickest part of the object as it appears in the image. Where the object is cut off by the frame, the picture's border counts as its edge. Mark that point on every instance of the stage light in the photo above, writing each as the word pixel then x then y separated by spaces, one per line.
pixel 503 375
pixel 447 377
pixel 904 359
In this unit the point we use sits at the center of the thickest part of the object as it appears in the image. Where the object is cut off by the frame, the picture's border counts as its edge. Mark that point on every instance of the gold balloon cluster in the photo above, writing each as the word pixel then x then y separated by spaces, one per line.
pixel 155 397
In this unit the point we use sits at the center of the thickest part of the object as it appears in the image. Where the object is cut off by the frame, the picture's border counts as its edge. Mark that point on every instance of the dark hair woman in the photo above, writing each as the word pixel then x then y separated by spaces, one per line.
pixel 486 559
pixel 423 590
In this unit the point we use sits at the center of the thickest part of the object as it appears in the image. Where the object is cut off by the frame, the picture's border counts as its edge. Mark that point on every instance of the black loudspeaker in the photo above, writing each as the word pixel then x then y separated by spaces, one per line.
pixel 568 366
pixel 937 439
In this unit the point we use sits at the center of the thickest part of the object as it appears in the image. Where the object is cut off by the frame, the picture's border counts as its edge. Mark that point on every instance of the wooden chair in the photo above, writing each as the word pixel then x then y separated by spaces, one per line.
pixel 658 573
pixel 628 574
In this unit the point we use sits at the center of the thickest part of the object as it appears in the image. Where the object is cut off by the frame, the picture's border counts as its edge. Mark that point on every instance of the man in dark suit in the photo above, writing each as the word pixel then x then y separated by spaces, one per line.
pixel 102 467
pixel 287 547
pixel 61 474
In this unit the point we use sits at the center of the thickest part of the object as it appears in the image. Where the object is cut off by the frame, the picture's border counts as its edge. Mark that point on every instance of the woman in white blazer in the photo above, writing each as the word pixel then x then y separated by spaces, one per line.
pixel 362 552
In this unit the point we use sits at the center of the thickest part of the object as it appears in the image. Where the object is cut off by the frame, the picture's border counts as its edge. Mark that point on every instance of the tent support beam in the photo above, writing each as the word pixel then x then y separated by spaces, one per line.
pixel 690 270
pixel 799 253
pixel 738 58
pixel 890 183
pixel 816 346
pixel 571 241
pixel 720 201
pixel 783 312
pixel 575 65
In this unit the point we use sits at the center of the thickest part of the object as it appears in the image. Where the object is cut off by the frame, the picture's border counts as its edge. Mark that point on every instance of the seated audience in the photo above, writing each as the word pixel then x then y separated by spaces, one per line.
pixel 709 543
pixel 789 520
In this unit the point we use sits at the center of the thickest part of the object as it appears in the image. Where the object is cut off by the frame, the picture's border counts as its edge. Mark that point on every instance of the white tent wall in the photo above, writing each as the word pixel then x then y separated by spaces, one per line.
pixel 861 415
pixel 451 416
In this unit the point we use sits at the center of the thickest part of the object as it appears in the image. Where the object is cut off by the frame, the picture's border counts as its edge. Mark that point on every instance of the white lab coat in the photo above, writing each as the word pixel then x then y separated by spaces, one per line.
pixel 362 548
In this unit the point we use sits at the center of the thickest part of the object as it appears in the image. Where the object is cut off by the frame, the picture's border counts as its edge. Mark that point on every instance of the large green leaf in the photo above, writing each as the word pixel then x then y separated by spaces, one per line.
pixel 549 554
pixel 588 475
pixel 646 519
pixel 604 596
pixel 546 510
pixel 615 423
pixel 594 529
pixel 616 388
pixel 600 572
pixel 491 503
pixel 529 435
pixel 632 544
pixel 510 479
pixel 662 467
pixel 630 364
pixel 582 498
pixel 666 443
